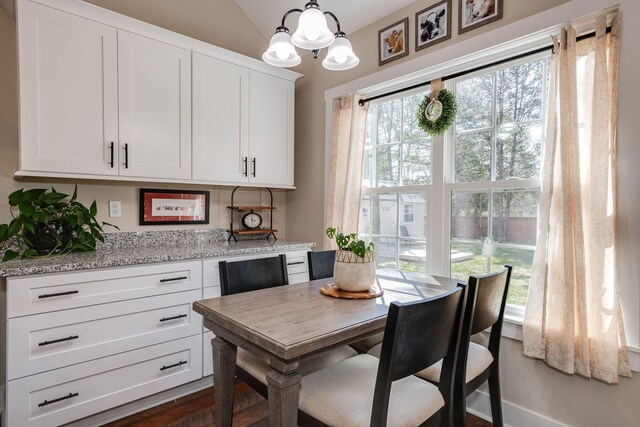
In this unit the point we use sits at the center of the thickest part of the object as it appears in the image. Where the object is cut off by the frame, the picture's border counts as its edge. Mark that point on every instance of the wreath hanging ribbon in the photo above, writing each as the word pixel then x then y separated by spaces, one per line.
pixel 437 111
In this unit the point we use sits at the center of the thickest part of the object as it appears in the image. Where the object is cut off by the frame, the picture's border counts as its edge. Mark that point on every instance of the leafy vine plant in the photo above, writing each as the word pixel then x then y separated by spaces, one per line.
pixel 36 209
pixel 350 242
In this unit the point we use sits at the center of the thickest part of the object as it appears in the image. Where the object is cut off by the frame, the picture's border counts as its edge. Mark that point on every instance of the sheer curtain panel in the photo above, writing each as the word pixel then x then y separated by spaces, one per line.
pixel 573 319
pixel 345 167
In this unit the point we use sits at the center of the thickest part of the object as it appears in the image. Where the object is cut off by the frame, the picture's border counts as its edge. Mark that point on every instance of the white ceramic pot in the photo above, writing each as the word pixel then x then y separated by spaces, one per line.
pixel 354 274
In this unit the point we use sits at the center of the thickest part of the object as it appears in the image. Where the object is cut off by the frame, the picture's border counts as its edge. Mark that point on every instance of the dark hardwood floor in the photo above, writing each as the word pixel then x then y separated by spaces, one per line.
pixel 196 410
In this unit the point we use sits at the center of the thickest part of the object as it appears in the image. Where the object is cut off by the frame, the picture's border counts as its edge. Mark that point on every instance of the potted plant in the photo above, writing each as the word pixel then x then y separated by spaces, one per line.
pixel 47 222
pixel 355 265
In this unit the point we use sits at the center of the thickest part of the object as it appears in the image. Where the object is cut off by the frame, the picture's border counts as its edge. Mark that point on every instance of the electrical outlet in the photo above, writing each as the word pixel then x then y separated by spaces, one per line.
pixel 115 208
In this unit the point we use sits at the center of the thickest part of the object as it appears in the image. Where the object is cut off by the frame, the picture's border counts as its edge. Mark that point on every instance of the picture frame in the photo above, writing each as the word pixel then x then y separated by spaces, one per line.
pixel 476 13
pixel 433 24
pixel 393 41
pixel 171 207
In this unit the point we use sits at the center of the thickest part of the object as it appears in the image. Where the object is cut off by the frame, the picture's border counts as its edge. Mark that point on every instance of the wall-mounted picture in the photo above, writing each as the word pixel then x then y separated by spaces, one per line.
pixel 173 207
pixel 433 24
pixel 476 13
pixel 393 42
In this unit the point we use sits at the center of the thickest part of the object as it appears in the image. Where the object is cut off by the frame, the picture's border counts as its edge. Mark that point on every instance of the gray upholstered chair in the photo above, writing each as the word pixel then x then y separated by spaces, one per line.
pixel 255 274
pixel 364 391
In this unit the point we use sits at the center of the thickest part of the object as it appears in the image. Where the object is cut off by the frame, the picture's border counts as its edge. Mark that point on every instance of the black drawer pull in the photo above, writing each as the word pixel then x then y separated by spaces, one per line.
pixel 72 337
pixel 111 148
pixel 49 402
pixel 126 156
pixel 174 279
pixel 179 316
pixel 182 362
pixel 57 294
pixel 295 263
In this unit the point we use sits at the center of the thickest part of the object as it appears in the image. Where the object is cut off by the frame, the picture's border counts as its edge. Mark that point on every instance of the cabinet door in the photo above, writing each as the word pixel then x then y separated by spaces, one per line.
pixel 271 136
pixel 155 108
pixel 220 120
pixel 68 92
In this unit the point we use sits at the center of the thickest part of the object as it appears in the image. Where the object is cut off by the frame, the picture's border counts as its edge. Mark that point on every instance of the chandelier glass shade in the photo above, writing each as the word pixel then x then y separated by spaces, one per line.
pixel 313 34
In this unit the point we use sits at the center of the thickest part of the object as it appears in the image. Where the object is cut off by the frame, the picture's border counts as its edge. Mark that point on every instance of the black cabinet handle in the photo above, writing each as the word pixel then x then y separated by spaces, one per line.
pixel 173 279
pixel 295 263
pixel 253 162
pixel 57 294
pixel 179 316
pixel 111 149
pixel 246 167
pixel 182 362
pixel 72 337
pixel 126 156
pixel 49 402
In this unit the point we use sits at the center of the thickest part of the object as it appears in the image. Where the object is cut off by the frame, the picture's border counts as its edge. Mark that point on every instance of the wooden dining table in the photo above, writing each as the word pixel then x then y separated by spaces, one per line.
pixel 288 324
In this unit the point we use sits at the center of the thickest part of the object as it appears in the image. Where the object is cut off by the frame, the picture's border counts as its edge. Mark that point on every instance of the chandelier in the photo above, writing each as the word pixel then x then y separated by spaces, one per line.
pixel 312 34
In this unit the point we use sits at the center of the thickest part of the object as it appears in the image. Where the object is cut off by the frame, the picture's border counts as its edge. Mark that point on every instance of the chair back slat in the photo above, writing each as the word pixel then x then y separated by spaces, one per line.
pixel 491 290
pixel 321 264
pixel 251 275
pixel 418 334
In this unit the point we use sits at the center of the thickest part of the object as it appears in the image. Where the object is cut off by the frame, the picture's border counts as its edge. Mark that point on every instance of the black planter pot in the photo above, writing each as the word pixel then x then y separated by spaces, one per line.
pixel 44 239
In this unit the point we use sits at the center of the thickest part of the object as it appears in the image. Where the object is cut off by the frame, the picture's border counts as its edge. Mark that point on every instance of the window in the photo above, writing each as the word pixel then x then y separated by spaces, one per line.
pixel 408 213
pixel 396 180
pixel 488 186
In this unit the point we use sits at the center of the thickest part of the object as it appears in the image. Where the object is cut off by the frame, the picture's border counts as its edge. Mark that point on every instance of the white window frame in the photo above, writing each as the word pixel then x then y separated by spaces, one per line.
pixel 405 213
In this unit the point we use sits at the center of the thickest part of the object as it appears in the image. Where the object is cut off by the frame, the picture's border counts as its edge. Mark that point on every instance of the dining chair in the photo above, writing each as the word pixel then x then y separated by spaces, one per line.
pixel 486 302
pixel 262 273
pixel 321 267
pixel 321 264
pixel 417 334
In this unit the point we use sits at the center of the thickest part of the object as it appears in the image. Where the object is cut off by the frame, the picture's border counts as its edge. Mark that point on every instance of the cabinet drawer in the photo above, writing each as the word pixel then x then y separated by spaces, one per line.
pixel 298 278
pixel 211 272
pixel 91 387
pixel 297 262
pixel 53 340
pixel 51 292
pixel 211 292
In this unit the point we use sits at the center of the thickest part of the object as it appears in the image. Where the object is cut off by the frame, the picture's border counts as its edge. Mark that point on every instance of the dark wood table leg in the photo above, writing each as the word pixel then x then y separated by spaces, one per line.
pixel 224 368
pixel 284 393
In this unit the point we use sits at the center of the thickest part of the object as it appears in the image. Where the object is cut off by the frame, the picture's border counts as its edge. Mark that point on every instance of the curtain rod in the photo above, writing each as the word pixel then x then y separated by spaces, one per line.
pixel 362 101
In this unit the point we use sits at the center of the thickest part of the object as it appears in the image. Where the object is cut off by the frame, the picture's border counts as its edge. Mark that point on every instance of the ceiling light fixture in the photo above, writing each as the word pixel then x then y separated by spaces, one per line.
pixel 312 34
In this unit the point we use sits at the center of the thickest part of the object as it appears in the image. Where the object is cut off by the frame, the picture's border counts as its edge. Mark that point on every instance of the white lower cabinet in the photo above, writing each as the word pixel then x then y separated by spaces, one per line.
pixel 67 394
pixel 80 343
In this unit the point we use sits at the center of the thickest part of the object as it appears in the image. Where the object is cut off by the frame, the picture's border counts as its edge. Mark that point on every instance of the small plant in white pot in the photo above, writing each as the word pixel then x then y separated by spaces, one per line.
pixel 355 266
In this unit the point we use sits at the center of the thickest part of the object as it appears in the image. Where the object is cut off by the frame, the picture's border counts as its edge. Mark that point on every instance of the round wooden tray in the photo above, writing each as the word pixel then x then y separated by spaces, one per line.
pixel 332 290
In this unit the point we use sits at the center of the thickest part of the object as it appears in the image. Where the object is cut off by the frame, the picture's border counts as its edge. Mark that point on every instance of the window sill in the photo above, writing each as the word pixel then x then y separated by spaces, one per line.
pixel 512 328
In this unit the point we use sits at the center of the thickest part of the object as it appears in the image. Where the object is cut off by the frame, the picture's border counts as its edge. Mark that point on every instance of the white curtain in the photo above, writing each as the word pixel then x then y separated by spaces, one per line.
pixel 344 191
pixel 573 319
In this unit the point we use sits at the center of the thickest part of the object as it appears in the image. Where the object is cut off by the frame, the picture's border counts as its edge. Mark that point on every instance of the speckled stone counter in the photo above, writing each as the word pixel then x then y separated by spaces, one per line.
pixel 135 248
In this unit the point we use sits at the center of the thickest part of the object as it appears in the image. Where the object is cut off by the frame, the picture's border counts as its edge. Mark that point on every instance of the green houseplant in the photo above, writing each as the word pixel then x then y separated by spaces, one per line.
pixel 355 266
pixel 48 222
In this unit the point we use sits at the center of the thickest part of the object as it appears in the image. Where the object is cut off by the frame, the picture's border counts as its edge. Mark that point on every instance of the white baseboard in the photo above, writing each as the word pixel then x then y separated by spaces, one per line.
pixel 143 404
pixel 514 415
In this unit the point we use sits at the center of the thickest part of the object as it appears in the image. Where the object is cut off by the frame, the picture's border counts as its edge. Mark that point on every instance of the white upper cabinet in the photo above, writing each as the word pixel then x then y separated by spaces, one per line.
pixel 104 96
pixel 155 108
pixel 68 93
pixel 271 136
pixel 220 120
pixel 248 138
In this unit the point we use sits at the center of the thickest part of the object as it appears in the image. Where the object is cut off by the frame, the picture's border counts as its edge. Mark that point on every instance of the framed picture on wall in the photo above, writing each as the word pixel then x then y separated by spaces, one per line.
pixel 433 24
pixel 393 42
pixel 168 207
pixel 476 13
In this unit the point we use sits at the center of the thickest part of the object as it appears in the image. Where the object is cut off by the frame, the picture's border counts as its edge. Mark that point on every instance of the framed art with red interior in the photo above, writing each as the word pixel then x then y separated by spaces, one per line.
pixel 160 207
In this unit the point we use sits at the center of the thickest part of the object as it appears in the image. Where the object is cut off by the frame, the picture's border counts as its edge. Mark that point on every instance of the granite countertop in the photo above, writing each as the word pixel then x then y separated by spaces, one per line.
pixel 116 252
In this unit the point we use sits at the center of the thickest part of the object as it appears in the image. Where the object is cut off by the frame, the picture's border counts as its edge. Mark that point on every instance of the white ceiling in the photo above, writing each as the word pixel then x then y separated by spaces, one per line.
pixel 352 14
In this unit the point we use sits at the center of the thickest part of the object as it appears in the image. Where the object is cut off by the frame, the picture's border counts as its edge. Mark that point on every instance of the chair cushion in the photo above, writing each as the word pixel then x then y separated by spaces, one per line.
pixel 366 344
pixel 259 369
pixel 478 360
pixel 342 395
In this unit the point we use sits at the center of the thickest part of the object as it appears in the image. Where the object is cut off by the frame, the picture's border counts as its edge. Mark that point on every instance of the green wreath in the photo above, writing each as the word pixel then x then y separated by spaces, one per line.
pixel 449 109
